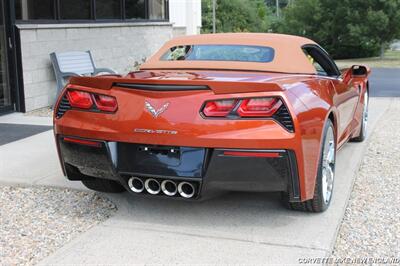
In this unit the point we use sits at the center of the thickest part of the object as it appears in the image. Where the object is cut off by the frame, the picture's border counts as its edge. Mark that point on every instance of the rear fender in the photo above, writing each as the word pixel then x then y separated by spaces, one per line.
pixel 310 124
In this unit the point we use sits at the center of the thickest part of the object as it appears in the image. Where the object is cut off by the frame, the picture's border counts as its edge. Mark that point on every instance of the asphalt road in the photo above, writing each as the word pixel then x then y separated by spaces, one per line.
pixel 385 82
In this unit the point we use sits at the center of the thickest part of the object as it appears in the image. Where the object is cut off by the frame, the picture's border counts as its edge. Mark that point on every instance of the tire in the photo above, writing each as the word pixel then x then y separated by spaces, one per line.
pixel 364 121
pixel 103 185
pixel 325 176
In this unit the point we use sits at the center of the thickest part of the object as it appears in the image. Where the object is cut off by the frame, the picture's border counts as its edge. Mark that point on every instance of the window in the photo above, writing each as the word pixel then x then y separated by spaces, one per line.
pixel 108 9
pixel 241 53
pixel 135 9
pixel 156 9
pixel 321 61
pixel 54 11
pixel 27 10
pixel 320 70
pixel 75 9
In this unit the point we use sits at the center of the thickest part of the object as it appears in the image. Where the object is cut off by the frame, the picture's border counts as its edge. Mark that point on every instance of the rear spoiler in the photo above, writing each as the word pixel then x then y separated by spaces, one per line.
pixel 218 87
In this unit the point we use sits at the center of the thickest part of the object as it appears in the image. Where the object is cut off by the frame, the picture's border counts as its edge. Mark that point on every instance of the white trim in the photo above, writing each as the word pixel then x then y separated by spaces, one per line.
pixel 90 25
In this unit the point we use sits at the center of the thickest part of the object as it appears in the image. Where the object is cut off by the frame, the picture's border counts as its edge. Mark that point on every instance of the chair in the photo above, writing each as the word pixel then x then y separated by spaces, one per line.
pixel 70 64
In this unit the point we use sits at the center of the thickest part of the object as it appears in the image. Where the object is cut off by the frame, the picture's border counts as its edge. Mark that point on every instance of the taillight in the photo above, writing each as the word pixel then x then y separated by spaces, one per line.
pixel 80 99
pixel 219 108
pixel 259 107
pixel 105 103
pixel 251 107
pixel 247 108
pixel 91 101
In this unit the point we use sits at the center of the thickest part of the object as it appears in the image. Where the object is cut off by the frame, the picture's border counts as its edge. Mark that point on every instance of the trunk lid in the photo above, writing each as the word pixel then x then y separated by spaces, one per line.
pixel 217 82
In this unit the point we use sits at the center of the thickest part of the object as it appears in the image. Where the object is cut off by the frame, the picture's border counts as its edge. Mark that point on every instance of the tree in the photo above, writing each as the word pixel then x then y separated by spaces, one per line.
pixel 353 28
pixel 236 16
pixel 384 18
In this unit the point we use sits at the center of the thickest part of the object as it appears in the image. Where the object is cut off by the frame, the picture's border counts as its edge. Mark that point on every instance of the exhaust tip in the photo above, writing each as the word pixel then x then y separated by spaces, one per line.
pixel 136 184
pixel 152 186
pixel 169 188
pixel 186 190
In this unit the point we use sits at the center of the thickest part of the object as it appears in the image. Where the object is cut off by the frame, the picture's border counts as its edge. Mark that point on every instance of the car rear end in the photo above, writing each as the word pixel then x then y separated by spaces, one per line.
pixel 180 137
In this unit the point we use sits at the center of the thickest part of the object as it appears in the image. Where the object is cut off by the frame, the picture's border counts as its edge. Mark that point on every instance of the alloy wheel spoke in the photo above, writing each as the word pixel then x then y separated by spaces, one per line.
pixel 328 165
pixel 331 154
pixel 330 178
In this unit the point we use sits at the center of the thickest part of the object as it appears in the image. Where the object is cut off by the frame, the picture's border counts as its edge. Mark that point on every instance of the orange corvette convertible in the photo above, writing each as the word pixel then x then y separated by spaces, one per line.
pixel 212 113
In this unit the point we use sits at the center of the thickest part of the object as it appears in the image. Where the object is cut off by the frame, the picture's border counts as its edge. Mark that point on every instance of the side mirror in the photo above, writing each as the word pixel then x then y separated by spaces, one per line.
pixel 359 71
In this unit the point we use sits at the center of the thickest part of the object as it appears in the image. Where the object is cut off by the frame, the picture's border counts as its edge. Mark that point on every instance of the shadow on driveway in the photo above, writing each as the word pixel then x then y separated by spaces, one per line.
pixel 14 132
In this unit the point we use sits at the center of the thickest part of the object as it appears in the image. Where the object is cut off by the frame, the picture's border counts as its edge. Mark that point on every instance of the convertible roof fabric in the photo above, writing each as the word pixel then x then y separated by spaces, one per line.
pixel 289 56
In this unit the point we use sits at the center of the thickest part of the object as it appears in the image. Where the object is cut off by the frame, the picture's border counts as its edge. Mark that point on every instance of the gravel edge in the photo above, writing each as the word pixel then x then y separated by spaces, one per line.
pixel 363 233
pixel 36 221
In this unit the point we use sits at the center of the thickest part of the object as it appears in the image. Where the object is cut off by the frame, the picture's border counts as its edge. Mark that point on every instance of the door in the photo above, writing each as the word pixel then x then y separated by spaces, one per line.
pixel 346 102
pixel 6 99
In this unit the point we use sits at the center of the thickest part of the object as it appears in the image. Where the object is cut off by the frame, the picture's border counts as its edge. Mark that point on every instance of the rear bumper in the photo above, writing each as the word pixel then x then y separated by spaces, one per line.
pixel 209 169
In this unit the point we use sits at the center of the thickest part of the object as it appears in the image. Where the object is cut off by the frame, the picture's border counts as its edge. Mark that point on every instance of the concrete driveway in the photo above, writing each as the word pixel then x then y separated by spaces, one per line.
pixel 234 228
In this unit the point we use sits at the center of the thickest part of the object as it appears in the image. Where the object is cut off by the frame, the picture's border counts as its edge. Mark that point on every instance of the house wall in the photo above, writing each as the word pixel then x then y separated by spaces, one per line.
pixel 179 31
pixel 395 46
pixel 185 16
pixel 113 45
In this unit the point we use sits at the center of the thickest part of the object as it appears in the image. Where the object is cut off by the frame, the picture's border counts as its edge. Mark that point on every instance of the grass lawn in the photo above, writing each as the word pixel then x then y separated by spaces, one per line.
pixel 391 60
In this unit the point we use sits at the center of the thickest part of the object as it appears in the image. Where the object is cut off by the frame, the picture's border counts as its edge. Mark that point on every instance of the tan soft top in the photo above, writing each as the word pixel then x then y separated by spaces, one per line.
pixel 289 57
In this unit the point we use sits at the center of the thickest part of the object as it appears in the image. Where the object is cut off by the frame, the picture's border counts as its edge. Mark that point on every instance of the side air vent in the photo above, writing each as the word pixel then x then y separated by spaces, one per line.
pixel 283 117
pixel 63 107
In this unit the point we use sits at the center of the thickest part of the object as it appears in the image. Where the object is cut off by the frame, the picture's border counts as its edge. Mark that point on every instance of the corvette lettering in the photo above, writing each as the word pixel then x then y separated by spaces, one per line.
pixel 155 131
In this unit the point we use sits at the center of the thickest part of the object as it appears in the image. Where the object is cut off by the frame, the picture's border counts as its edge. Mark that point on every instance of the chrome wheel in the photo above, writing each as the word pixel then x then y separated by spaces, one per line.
pixel 328 165
pixel 365 115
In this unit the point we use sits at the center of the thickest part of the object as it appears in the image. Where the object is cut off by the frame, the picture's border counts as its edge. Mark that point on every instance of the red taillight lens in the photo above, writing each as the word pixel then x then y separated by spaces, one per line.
pixel 80 99
pixel 86 100
pixel 252 154
pixel 259 107
pixel 83 142
pixel 219 108
pixel 105 103
pixel 252 107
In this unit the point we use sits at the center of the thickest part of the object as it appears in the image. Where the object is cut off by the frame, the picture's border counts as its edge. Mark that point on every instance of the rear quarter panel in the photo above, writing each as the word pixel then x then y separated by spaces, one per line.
pixel 316 95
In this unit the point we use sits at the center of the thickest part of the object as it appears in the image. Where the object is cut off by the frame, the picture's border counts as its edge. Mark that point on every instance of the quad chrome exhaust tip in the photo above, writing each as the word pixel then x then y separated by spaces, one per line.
pixel 152 186
pixel 186 190
pixel 136 184
pixel 169 188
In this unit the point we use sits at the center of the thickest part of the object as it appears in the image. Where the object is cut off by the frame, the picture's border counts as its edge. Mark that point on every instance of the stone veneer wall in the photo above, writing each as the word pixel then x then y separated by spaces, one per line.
pixel 179 31
pixel 113 45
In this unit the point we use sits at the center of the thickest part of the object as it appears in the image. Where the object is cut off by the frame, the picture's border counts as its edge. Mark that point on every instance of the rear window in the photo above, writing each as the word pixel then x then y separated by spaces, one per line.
pixel 208 52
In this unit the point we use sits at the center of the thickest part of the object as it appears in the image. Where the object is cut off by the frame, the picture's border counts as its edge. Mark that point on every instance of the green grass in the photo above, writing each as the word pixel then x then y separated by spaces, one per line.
pixel 390 60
